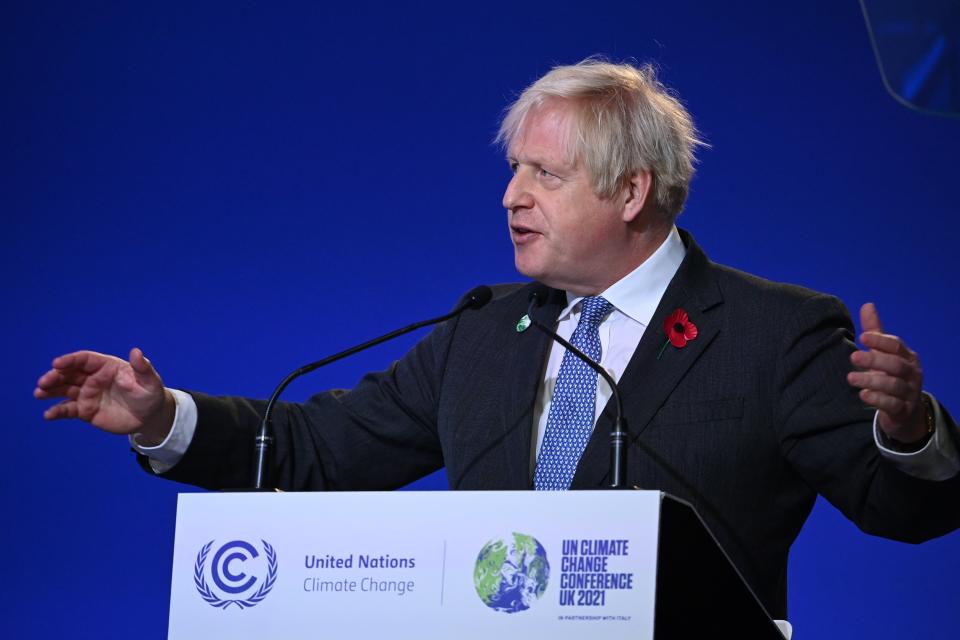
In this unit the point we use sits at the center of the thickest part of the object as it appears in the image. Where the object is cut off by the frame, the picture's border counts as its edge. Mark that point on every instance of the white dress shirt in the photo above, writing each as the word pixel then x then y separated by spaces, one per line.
pixel 635 298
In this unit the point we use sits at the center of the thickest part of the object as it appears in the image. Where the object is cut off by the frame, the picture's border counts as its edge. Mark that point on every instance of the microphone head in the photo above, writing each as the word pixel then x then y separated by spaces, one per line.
pixel 539 295
pixel 478 296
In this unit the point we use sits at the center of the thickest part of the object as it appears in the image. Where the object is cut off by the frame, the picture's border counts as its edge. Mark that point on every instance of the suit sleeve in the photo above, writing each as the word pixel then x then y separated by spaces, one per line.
pixel 382 434
pixel 826 433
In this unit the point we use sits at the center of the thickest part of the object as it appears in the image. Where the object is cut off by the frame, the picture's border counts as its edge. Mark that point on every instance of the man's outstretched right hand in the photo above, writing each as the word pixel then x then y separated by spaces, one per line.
pixel 111 394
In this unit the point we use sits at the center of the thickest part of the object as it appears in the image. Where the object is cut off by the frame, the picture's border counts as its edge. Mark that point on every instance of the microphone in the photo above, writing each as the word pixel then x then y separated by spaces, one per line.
pixel 474 299
pixel 619 435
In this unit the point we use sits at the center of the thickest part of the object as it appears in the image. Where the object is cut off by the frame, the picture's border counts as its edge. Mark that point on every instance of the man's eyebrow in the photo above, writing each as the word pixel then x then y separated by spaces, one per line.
pixel 553 164
pixel 533 160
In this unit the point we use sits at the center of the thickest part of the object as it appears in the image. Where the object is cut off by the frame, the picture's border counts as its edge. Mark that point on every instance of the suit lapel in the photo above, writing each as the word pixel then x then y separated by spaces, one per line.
pixel 647 381
pixel 521 381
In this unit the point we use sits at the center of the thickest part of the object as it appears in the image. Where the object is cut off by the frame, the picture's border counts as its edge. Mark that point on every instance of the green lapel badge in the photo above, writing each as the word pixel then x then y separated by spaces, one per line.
pixel 523 324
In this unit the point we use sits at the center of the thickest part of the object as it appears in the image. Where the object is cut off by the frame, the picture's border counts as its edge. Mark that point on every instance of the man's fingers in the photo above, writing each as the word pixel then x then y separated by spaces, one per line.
pixel 139 361
pixel 892 380
pixel 883 402
pixel 68 360
pixel 54 378
pixel 879 361
pixel 146 376
pixel 886 343
pixel 85 361
pixel 870 319
pixel 66 409
pixel 881 382
pixel 61 391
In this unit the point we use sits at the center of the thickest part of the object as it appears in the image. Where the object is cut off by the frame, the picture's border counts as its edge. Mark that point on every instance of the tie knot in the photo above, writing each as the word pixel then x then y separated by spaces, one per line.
pixel 593 310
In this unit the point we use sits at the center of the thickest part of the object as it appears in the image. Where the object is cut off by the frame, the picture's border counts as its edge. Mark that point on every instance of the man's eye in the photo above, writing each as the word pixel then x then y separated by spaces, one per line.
pixel 514 166
pixel 545 174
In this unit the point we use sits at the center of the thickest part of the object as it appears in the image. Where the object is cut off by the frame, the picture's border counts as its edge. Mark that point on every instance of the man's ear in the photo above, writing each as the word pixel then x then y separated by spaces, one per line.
pixel 638 190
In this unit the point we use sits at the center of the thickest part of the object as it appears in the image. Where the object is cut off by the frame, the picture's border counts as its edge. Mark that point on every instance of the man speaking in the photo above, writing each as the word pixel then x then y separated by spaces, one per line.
pixel 745 397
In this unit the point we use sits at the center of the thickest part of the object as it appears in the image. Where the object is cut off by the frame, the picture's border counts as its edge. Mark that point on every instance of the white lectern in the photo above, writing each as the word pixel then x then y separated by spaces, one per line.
pixel 559 565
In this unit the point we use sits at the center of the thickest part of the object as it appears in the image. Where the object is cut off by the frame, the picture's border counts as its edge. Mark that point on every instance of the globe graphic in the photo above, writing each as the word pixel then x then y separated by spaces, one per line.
pixel 511 574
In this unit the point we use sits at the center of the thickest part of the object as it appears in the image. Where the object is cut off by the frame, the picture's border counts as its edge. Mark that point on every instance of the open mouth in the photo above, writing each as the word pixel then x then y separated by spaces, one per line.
pixel 520 230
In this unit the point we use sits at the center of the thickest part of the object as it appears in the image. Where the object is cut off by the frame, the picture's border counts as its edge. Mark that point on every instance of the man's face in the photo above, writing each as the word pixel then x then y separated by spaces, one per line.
pixel 562 232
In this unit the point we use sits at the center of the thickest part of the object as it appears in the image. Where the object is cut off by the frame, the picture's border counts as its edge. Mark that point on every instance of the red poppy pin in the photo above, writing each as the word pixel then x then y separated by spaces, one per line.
pixel 679 330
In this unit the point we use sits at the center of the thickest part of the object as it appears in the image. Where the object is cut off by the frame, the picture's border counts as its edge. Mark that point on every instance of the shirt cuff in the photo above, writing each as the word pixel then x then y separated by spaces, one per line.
pixel 937 460
pixel 169 452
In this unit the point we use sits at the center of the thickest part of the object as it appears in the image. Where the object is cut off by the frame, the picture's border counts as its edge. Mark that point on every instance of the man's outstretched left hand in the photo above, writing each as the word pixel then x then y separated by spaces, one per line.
pixel 890 379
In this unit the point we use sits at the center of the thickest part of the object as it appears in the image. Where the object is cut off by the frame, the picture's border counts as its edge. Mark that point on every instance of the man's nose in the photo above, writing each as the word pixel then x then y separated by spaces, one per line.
pixel 517 195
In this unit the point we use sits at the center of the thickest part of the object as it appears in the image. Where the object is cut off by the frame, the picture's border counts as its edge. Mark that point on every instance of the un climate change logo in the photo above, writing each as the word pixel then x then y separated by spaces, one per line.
pixel 227 572
pixel 510 575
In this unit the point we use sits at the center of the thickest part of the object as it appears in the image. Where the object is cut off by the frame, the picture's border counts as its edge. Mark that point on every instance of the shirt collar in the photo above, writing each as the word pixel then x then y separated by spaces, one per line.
pixel 638 293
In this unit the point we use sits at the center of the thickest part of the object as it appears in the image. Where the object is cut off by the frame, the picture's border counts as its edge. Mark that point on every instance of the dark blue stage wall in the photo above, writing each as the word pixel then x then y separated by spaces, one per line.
pixel 241 188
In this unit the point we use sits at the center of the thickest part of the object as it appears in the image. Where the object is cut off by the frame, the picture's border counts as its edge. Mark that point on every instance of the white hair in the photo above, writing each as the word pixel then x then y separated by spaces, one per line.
pixel 626 122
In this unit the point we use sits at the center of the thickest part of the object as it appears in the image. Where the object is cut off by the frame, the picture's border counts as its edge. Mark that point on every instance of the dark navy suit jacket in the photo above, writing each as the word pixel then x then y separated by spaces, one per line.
pixel 748 422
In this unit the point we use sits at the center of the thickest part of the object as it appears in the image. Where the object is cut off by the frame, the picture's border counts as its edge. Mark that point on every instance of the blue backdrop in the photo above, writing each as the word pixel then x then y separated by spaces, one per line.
pixel 241 187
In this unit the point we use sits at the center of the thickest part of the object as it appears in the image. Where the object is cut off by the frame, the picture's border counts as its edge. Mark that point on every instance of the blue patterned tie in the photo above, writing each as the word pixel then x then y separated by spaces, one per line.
pixel 570 422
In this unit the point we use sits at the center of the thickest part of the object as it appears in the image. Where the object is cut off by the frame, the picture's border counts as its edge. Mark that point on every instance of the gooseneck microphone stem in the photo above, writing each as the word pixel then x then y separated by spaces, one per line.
pixel 619 435
pixel 475 298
